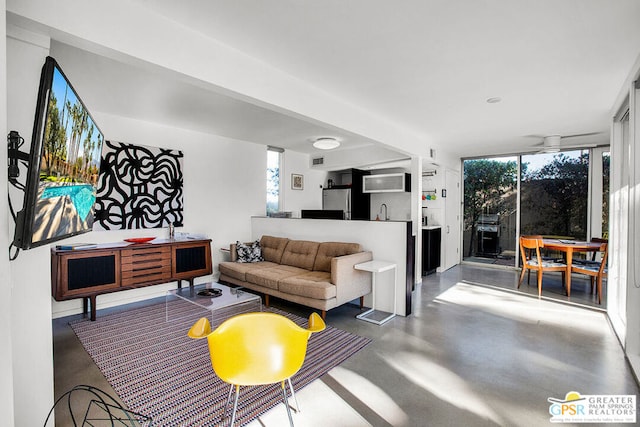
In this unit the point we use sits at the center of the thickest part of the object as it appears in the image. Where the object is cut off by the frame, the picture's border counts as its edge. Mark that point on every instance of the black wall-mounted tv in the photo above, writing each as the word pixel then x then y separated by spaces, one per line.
pixel 63 168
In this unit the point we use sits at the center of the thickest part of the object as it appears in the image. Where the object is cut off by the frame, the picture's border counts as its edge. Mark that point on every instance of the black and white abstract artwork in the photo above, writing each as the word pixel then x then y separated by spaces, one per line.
pixel 139 187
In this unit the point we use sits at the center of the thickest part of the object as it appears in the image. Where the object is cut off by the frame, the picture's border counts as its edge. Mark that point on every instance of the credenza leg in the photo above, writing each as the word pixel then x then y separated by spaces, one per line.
pixel 93 307
pixel 190 280
pixel 85 306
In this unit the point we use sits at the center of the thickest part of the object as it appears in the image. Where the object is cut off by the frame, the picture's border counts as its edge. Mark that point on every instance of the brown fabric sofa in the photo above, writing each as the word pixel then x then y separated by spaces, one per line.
pixel 315 274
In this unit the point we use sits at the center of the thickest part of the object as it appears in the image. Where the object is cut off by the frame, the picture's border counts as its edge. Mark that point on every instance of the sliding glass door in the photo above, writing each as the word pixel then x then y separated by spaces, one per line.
pixel 490 199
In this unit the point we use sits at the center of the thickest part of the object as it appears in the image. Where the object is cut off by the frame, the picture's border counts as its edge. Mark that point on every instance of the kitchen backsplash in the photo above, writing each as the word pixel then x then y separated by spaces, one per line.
pixel 398 205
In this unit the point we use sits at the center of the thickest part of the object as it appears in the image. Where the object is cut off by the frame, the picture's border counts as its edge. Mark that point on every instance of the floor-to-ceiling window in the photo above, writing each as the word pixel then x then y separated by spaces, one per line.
pixel 606 176
pixel 554 193
pixel 543 193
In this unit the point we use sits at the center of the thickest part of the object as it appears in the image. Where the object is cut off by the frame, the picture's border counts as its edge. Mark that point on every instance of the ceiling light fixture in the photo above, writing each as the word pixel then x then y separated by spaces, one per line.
pixel 326 143
pixel 494 100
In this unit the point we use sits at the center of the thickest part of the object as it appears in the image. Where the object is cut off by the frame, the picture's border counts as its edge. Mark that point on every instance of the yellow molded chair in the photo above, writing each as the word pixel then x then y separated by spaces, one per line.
pixel 255 349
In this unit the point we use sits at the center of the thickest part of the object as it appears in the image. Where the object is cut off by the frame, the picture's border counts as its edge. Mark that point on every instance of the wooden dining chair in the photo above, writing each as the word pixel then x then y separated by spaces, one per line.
pixel 532 260
pixel 594 269
pixel 593 260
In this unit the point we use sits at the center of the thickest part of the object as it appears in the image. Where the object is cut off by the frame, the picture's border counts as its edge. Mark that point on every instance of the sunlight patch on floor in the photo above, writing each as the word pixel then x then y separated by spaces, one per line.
pixel 442 383
pixel 524 308
pixel 542 361
pixel 371 395
pixel 320 406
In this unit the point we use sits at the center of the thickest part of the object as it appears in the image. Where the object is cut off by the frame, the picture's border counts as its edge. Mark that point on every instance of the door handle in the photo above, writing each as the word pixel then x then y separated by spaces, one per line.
pixel 447 229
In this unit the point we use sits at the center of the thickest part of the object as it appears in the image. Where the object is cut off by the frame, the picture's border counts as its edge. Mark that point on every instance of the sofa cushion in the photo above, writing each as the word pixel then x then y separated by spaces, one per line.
pixel 300 253
pixel 269 277
pixel 239 270
pixel 249 252
pixel 328 250
pixel 273 247
pixel 314 284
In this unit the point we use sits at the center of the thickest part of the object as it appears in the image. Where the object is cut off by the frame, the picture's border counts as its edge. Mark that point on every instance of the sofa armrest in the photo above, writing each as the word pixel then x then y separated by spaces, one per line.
pixel 350 283
pixel 233 252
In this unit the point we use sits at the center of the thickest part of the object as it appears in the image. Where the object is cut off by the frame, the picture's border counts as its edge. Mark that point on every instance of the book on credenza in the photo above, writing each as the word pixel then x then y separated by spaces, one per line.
pixel 76 246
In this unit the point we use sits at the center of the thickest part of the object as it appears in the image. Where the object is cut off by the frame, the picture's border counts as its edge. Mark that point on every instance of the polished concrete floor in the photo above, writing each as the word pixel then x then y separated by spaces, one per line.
pixel 475 352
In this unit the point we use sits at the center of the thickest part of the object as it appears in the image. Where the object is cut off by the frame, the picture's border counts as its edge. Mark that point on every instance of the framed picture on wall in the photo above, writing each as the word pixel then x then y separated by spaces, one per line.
pixel 297 181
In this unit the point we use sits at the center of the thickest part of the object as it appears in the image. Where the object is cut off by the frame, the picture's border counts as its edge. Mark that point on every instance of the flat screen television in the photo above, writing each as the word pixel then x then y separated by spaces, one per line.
pixel 63 166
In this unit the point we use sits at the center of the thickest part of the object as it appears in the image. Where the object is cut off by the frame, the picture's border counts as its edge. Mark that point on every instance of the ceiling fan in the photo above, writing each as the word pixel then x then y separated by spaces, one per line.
pixel 555 143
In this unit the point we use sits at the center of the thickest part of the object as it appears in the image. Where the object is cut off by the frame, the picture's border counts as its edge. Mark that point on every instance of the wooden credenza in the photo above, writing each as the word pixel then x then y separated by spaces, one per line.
pixel 87 273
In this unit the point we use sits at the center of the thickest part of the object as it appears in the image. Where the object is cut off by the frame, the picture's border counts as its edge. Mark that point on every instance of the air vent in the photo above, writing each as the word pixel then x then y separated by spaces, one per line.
pixel 317 161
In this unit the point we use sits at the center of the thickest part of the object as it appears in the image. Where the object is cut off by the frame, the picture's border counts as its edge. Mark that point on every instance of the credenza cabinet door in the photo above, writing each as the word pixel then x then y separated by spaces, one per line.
pixel 189 260
pixel 79 273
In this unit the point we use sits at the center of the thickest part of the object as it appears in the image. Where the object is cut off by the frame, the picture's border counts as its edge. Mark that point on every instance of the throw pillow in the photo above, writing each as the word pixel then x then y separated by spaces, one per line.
pixel 249 253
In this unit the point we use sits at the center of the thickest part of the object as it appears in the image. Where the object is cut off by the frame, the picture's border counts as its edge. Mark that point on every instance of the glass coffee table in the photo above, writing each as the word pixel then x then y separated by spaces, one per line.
pixel 212 299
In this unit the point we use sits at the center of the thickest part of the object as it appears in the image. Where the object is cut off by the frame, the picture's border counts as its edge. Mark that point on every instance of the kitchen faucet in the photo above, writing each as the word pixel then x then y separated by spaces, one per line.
pixel 385 217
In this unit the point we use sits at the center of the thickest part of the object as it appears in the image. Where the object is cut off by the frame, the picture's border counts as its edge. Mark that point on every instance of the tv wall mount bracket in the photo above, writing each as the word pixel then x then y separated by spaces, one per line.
pixel 14 142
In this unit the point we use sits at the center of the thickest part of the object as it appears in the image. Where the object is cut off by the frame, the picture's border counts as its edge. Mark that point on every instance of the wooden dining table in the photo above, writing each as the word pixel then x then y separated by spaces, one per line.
pixel 569 247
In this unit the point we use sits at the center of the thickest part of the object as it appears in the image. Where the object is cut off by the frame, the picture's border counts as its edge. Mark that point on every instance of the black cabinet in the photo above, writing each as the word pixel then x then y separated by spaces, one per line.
pixel 360 202
pixel 410 267
pixel 430 250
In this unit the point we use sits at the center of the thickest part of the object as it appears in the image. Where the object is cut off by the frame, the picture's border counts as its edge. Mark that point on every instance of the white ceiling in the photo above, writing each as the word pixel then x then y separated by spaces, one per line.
pixel 426 65
pixel 159 96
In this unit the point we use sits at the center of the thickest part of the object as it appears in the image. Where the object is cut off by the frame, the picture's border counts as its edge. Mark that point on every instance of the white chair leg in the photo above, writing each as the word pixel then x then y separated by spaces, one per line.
pixel 293 394
pixel 226 405
pixel 286 403
pixel 235 406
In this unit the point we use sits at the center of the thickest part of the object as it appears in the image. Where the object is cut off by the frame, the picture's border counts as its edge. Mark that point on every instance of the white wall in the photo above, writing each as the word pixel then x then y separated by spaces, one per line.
pixel 6 350
pixel 30 272
pixel 224 185
pixel 434 208
pixel 310 197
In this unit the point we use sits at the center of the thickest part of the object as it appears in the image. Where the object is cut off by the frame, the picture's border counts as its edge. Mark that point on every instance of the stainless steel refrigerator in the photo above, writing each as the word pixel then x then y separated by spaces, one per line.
pixel 337 199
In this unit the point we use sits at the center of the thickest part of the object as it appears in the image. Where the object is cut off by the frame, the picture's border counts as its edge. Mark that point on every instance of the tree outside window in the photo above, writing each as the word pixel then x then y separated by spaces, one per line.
pixel 554 195
pixel 490 187
pixel 273 180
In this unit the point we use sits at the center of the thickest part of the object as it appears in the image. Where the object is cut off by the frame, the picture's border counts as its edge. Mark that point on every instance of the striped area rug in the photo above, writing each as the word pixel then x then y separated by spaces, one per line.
pixel 158 371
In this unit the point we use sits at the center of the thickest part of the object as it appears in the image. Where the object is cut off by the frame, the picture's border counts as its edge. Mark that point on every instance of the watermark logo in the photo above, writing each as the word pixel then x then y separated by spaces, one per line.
pixel 577 408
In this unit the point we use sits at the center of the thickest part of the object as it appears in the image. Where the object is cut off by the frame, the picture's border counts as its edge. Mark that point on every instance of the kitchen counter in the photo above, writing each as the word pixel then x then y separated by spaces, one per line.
pixel 431 227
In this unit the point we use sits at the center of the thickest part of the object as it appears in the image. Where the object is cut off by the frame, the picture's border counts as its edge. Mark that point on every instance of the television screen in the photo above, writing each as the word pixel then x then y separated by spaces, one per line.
pixel 64 163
